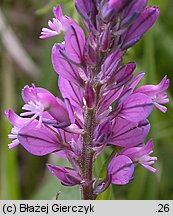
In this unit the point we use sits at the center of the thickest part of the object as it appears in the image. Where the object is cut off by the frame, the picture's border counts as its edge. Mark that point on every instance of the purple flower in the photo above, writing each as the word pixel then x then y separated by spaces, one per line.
pixel 38 141
pixel 136 107
pixel 142 155
pixel 72 92
pixel 75 43
pixel 90 96
pixel 108 98
pixel 157 93
pixel 40 102
pixel 67 176
pixel 119 171
pixel 59 24
pixel 103 133
pixel 110 66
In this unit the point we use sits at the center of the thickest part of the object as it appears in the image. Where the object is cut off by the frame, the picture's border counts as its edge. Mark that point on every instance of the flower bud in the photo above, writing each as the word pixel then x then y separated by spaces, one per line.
pixel 90 96
pixel 67 176
pixel 132 12
pixel 105 39
pixel 85 8
pixel 112 8
pixel 89 54
pixel 146 19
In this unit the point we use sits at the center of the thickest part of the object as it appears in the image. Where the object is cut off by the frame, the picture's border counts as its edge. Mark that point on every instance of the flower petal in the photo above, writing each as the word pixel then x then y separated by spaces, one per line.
pixel 74 93
pixel 136 107
pixel 64 68
pixel 120 169
pixel 38 141
pixel 74 43
pixel 128 134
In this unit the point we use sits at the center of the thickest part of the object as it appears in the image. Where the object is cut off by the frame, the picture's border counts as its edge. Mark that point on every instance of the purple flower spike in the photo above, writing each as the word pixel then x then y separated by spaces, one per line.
pixel 142 155
pixel 157 93
pixel 120 170
pixel 101 103
pixel 67 176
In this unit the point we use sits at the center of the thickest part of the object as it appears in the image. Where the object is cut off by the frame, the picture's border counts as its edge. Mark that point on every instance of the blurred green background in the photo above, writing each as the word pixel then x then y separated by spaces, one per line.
pixel 25 59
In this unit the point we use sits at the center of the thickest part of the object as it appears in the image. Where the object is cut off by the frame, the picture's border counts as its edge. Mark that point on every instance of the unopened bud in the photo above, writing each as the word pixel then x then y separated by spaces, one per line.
pixel 113 7
pixel 105 39
pixel 90 96
pixel 90 54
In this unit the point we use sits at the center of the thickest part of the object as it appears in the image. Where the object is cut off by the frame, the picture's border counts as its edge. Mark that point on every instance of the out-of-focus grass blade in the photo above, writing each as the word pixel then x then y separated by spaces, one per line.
pixel 51 186
pixel 151 77
pixel 151 187
pixel 9 170
pixel 137 187
pixel 9 182
pixel 47 8
pixel 149 58
pixel 105 162
pixel 144 185
pixel 162 4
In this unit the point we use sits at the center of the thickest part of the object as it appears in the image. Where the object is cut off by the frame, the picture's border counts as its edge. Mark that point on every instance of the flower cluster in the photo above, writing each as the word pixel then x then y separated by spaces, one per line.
pixel 101 104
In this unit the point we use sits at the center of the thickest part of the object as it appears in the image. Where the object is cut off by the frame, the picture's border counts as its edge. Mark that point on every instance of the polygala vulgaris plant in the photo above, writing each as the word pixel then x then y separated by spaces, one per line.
pixel 102 105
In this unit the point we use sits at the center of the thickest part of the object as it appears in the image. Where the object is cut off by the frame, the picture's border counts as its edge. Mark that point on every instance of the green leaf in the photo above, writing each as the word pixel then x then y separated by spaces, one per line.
pixel 106 160
pixel 106 195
